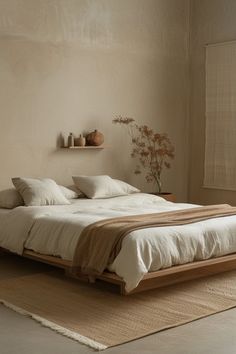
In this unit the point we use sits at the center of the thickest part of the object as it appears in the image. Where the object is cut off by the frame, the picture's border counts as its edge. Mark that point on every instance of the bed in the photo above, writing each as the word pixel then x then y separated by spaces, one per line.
pixel 148 258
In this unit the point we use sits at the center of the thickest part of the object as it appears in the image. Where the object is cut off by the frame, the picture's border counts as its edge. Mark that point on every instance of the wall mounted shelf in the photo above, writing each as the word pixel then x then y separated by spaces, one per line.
pixel 84 147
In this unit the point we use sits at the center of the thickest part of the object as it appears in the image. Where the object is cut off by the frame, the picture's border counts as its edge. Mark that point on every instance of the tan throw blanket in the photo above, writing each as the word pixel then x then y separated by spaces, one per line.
pixel 100 242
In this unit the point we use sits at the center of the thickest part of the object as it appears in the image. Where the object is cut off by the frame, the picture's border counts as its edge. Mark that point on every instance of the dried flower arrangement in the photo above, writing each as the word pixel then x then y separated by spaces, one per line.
pixel 153 150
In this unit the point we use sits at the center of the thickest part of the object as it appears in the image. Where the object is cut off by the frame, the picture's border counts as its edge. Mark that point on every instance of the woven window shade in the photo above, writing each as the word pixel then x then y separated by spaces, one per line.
pixel 220 143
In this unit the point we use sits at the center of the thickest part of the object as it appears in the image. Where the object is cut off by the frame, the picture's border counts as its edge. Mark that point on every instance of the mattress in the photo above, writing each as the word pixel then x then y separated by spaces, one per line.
pixel 55 230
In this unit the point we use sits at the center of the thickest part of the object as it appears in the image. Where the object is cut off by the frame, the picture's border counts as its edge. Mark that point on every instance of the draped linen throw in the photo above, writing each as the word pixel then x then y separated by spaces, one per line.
pixel 100 242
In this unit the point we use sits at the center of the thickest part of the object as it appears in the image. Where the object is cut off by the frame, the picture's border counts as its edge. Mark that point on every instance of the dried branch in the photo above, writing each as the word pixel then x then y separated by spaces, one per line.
pixel 153 150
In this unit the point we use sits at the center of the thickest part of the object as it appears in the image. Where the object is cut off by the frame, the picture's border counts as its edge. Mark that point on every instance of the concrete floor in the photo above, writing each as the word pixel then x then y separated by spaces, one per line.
pixel 212 335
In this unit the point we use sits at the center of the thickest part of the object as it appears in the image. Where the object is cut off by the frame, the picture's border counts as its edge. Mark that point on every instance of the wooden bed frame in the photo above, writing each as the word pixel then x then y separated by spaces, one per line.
pixel 152 280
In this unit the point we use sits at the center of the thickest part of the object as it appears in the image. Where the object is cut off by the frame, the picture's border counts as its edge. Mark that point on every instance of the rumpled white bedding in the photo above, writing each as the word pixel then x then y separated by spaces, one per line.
pixel 55 230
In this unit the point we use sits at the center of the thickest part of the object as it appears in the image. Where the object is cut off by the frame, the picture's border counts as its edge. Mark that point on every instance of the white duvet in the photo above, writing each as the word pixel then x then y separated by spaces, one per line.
pixel 55 230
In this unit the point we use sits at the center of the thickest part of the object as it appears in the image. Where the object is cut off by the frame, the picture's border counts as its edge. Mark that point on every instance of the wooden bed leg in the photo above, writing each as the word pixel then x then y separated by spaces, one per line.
pixel 122 289
pixel 69 273
pixel 2 252
pixel 91 279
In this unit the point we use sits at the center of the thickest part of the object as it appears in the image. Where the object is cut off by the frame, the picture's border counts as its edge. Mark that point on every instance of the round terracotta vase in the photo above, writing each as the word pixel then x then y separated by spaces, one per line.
pixel 95 138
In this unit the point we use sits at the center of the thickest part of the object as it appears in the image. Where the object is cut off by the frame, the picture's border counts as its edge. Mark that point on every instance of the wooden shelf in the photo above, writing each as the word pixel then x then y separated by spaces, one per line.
pixel 84 147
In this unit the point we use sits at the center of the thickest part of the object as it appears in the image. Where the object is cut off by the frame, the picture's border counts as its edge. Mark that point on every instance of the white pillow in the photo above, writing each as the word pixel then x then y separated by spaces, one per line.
pixel 36 192
pixel 10 198
pixel 96 187
pixel 127 188
pixel 70 192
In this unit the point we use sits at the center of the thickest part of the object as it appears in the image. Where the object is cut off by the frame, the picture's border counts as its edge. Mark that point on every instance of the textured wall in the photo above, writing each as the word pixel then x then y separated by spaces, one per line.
pixel 211 21
pixel 72 65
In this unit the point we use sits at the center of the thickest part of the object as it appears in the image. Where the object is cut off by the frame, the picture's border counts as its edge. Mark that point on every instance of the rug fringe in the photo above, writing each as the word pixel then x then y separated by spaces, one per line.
pixel 59 329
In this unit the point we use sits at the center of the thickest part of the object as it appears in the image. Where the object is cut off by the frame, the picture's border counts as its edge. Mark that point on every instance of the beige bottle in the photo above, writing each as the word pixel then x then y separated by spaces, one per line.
pixel 71 142
pixel 81 140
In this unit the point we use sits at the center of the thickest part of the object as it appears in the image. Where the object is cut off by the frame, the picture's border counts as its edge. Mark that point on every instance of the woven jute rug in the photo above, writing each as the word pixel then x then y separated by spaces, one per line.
pixel 101 318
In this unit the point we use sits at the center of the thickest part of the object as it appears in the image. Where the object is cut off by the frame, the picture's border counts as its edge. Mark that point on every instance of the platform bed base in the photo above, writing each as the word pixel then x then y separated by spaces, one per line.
pixel 152 280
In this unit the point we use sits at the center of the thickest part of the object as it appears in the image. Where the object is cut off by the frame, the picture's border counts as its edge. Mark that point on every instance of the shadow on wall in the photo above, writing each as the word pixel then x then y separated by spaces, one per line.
pixel 60 141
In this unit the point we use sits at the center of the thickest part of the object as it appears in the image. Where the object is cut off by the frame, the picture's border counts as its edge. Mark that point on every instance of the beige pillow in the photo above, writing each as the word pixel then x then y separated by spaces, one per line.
pixel 127 188
pixel 70 192
pixel 36 192
pixel 10 198
pixel 96 187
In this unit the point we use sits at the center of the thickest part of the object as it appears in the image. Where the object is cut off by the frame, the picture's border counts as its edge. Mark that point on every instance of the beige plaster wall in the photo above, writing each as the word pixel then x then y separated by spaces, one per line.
pixel 211 21
pixel 72 65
